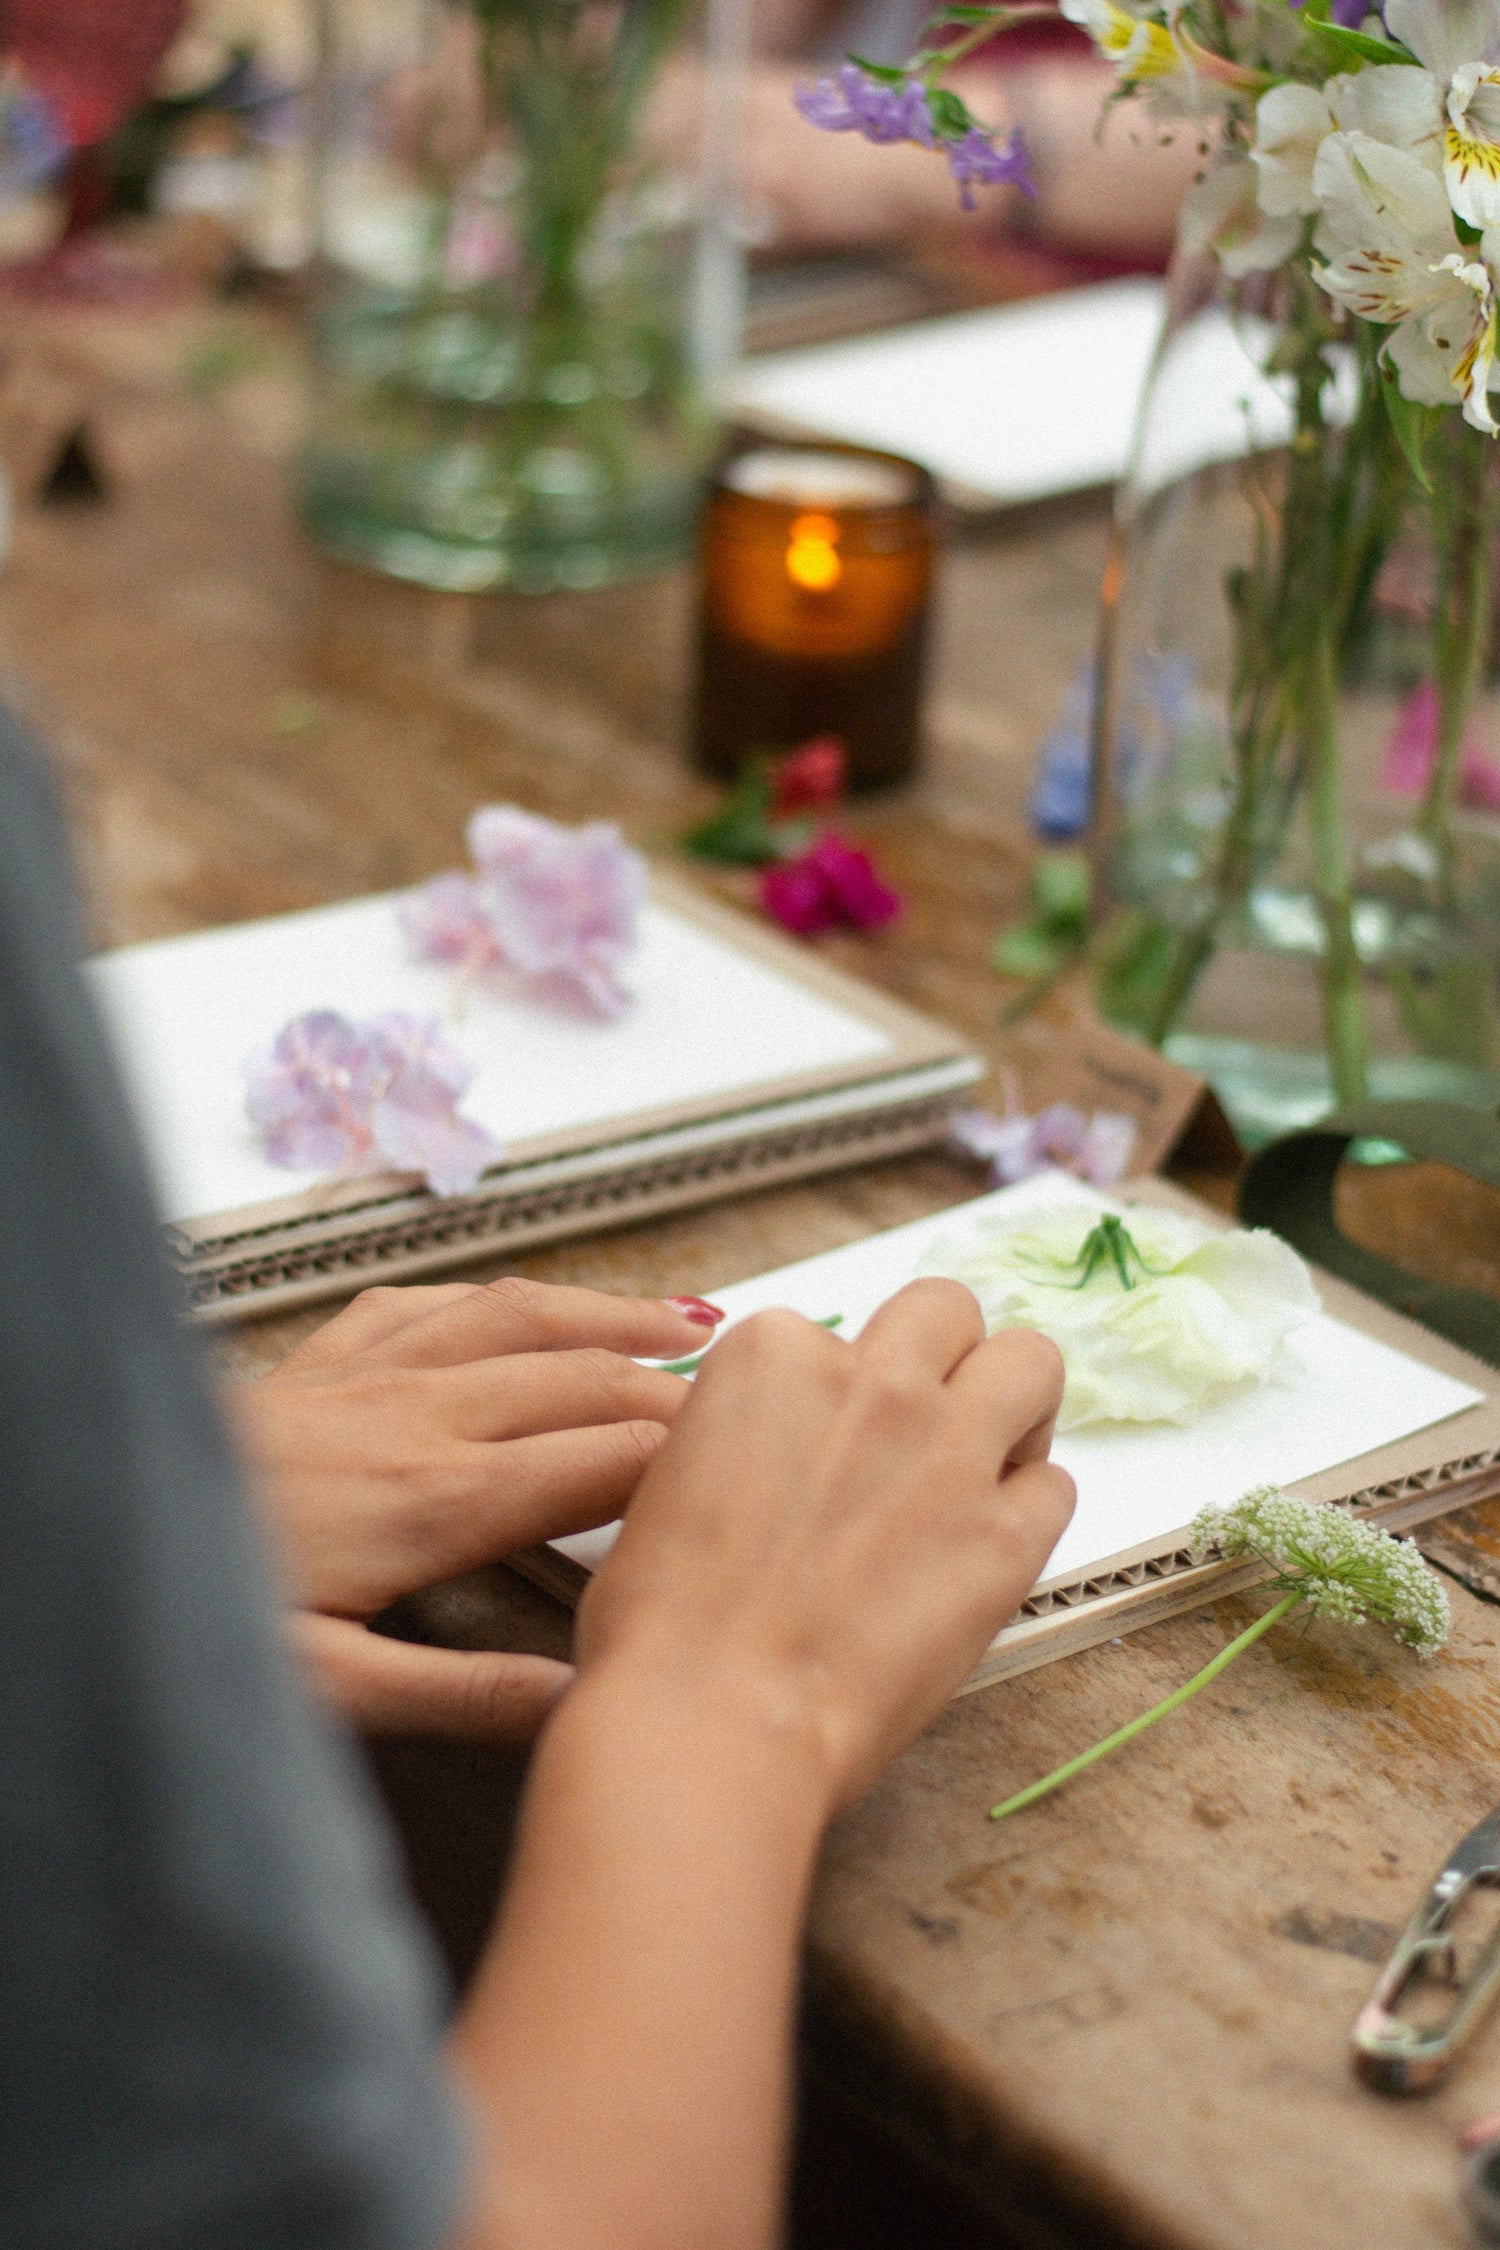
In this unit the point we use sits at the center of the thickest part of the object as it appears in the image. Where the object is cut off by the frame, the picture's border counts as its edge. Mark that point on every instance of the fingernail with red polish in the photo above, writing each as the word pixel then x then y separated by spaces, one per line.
pixel 698 1310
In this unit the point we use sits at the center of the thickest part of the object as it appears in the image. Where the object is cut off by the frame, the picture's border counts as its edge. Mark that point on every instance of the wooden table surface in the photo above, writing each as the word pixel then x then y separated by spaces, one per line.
pixel 1121 2018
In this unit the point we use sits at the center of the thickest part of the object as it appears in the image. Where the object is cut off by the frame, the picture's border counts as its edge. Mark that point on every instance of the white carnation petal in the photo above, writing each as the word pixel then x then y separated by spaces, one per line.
pixel 1205 1312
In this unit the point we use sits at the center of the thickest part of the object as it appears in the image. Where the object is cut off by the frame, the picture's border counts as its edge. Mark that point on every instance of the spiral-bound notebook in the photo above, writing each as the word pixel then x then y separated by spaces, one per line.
pixel 1369 1411
pixel 743 1059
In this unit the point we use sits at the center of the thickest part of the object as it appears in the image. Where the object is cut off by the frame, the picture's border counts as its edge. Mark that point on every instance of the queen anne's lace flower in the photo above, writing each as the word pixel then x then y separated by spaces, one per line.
pixel 1194 1314
pixel 1342 1568
pixel 335 1095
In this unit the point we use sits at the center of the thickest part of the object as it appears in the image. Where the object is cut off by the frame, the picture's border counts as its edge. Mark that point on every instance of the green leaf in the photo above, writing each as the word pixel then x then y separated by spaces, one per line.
pixel 1025 950
pixel 949 113
pixel 1060 893
pixel 740 833
pixel 889 74
pixel 1352 46
pixel 1416 426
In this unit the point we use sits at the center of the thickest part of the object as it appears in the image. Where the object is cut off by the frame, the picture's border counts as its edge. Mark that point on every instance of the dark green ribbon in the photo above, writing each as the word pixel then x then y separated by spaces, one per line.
pixel 1289 1185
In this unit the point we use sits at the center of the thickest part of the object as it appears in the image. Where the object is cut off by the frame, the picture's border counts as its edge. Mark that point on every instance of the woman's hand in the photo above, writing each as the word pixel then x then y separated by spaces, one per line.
pixel 835 1532
pixel 423 1432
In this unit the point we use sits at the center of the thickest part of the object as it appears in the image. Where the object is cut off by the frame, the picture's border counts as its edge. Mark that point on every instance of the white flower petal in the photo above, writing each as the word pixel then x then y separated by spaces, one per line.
pixel 1392 103
pixel 1442 34
pixel 1205 1311
pixel 1471 145
pixel 1291 122
pixel 1223 213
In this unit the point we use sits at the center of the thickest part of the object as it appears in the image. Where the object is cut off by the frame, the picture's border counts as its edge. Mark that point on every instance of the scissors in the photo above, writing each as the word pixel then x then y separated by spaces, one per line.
pixel 1407 2058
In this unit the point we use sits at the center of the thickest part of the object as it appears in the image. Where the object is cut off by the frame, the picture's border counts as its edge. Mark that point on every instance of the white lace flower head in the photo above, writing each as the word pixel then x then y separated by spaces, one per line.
pixel 1343 1568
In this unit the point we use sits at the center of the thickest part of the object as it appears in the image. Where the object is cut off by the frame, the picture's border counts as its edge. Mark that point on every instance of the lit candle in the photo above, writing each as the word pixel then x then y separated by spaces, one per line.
pixel 816 571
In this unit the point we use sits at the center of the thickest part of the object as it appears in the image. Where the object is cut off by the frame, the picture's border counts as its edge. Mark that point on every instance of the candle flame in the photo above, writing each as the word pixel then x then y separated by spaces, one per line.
pixel 812 559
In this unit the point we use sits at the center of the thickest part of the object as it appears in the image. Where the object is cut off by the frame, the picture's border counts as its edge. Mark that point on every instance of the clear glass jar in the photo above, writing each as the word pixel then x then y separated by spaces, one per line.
pixel 525 286
pixel 1302 852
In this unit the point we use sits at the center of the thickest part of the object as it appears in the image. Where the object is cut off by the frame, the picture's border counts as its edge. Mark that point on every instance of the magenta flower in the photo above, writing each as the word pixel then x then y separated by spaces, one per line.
pixel 334 1095
pixel 553 906
pixel 831 886
pixel 1413 747
pixel 1059 1138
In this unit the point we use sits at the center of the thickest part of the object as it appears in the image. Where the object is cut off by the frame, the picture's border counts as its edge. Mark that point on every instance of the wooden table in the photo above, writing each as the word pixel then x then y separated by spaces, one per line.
pixel 1122 2018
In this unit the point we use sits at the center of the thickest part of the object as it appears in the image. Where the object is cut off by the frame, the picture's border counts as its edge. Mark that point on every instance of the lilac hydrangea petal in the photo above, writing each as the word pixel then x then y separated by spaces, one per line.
pixel 445 920
pixel 1061 1129
pixel 562 902
pixel 331 1094
pixel 1108 1146
pixel 310 1092
pixel 451 1152
pixel 1009 1145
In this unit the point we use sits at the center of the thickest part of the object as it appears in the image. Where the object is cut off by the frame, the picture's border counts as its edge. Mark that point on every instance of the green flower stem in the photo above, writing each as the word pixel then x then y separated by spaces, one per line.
pixel 1462 626
pixel 1343 993
pixel 1179 1696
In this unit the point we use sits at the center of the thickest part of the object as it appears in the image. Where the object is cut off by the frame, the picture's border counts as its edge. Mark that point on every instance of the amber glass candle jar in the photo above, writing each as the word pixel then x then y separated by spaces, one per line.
pixel 816 567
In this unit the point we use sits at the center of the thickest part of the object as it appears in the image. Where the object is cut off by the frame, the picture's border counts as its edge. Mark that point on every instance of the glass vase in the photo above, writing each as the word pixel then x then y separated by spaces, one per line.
pixel 1297 819
pixel 525 287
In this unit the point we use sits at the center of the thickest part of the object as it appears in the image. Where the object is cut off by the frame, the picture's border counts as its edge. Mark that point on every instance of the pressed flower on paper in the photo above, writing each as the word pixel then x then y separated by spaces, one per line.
pixel 1156 1316
pixel 333 1094
pixel 552 907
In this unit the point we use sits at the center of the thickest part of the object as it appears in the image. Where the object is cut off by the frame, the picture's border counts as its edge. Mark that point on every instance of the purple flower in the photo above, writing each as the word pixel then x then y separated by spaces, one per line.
pixel 334 1095
pixel 555 906
pixel 832 886
pixel 976 159
pixel 853 102
pixel 1061 1137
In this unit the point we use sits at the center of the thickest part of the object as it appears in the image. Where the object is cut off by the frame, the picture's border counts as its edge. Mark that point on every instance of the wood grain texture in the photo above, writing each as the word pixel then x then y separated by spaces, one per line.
pixel 1122 2017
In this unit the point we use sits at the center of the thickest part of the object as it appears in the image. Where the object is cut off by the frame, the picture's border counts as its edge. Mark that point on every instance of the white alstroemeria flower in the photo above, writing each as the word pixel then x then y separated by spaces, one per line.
pixel 1471 145
pixel 1226 213
pixel 1291 124
pixel 1445 34
pixel 1390 102
pixel 1156 1316
pixel 1141 41
pixel 1394 257
pixel 1133 38
pixel 1458 41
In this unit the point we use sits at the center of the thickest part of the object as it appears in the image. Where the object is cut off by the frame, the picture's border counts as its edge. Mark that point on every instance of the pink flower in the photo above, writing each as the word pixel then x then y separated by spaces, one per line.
pixel 555 906
pixel 1413 747
pixel 331 1094
pixel 828 887
pixel 1061 1138
pixel 810 777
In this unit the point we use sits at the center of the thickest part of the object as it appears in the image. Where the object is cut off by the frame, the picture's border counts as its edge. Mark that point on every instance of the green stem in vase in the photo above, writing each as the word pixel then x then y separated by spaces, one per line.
pixel 1462 626
pixel 1343 993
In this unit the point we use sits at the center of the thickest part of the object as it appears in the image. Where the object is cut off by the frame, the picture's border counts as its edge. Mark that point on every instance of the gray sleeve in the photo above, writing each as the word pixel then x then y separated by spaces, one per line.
pixel 218 2022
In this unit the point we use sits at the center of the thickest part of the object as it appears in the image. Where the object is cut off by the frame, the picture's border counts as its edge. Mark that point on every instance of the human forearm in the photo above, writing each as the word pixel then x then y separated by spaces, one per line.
pixel 626 2042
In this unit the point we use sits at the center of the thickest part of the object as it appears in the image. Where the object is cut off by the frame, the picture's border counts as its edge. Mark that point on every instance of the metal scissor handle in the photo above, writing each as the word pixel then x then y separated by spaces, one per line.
pixel 1399 2057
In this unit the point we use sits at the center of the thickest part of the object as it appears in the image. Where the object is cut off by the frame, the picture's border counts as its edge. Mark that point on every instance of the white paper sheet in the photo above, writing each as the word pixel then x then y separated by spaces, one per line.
pixel 1349 1394
pixel 707 1019
pixel 1026 401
